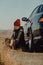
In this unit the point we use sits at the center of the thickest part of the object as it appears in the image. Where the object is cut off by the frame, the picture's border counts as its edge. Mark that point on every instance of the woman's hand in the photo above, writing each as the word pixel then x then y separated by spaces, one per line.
pixel 11 43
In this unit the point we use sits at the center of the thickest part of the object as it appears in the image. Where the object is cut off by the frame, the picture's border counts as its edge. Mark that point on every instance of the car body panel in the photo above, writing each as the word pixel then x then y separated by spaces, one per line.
pixel 34 18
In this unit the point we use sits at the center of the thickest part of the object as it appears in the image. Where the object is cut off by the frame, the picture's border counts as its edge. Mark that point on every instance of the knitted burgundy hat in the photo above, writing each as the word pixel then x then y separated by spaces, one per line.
pixel 17 22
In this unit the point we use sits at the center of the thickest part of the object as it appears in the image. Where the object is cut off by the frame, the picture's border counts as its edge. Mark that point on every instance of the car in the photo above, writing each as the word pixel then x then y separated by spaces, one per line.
pixel 36 29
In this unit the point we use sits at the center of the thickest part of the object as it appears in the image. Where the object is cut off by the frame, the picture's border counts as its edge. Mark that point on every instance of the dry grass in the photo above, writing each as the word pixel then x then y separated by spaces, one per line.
pixel 17 57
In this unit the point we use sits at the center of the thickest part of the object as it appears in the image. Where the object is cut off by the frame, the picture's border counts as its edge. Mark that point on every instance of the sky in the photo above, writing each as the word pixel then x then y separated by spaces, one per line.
pixel 10 10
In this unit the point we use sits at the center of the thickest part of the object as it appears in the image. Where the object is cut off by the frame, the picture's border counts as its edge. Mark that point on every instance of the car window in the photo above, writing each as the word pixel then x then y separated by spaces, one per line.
pixel 40 9
pixel 34 11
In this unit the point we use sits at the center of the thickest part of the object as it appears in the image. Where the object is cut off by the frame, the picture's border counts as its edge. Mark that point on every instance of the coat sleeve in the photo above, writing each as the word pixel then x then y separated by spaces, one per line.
pixel 19 36
pixel 12 37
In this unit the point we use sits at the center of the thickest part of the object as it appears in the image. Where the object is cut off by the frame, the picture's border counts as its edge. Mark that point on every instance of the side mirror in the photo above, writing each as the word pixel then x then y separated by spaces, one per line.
pixel 25 19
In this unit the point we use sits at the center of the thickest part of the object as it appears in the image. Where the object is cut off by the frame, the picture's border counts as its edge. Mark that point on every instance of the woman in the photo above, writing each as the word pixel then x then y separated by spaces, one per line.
pixel 17 39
